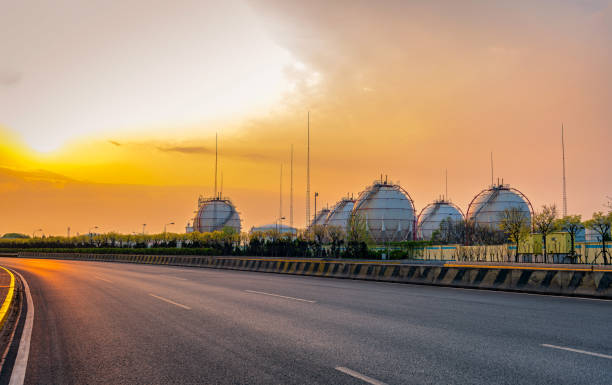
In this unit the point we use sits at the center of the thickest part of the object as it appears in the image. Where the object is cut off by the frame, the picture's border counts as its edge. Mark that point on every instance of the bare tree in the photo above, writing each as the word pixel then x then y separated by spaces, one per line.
pixel 601 223
pixel 544 224
pixel 357 237
pixel 319 233
pixel 515 223
pixel 357 229
pixel 336 235
pixel 571 224
pixel 449 231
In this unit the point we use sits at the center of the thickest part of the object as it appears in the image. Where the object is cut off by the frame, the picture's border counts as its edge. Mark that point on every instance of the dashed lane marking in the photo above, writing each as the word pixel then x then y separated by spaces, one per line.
pixel 578 351
pixel 170 301
pixel 359 376
pixel 102 279
pixel 280 296
pixel 179 278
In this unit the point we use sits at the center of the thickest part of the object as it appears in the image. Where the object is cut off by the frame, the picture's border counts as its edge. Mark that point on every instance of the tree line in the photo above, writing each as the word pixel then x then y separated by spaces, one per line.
pixel 317 241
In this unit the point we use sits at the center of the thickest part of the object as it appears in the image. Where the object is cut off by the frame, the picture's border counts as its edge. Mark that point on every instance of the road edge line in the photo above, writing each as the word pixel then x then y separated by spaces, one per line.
pixel 586 352
pixel 362 377
pixel 8 300
pixel 21 361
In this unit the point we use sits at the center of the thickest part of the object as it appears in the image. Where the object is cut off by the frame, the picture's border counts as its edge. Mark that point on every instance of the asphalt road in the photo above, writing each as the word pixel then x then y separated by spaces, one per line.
pixel 112 323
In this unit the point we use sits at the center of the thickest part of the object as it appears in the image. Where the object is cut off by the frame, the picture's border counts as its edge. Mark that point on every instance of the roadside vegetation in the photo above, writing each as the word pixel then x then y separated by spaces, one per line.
pixel 354 242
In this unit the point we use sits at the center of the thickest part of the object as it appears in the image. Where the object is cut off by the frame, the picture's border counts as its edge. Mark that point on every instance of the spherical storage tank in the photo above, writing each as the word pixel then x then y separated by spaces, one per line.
pixel 215 214
pixel 320 217
pixel 340 213
pixel 388 211
pixel 488 206
pixel 433 214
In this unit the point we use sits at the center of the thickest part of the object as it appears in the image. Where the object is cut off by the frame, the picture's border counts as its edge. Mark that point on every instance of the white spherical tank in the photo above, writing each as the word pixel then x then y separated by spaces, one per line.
pixel 215 214
pixel 433 214
pixel 340 213
pixel 320 217
pixel 488 206
pixel 388 211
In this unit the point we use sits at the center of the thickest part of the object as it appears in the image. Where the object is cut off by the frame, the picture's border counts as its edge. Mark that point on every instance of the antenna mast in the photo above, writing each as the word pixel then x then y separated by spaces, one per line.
pixel 280 200
pixel 491 168
pixel 291 192
pixel 216 159
pixel 446 184
pixel 564 188
pixel 308 176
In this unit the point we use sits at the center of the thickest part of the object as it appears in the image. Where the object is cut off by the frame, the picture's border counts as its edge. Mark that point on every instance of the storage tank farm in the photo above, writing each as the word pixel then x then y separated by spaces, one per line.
pixel 388 211
pixel 487 207
pixel 341 213
pixel 214 214
pixel 433 214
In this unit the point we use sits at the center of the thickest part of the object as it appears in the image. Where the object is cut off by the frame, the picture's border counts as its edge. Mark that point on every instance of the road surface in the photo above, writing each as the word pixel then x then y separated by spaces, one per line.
pixel 113 323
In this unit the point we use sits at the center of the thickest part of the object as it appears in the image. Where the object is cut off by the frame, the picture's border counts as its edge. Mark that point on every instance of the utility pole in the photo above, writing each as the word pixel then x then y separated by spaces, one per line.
pixel 316 194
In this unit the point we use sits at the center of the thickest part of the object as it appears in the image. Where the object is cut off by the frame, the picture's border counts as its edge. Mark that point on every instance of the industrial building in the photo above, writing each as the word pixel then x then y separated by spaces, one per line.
pixel 487 206
pixel 388 211
pixel 433 214
pixel 274 227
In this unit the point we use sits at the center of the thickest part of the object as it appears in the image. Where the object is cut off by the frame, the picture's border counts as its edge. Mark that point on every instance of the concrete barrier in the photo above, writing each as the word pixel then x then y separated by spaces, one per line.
pixel 590 282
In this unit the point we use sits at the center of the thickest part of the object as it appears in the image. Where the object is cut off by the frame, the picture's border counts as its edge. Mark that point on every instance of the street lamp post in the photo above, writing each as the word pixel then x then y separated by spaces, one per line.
pixel 144 225
pixel 278 220
pixel 316 194
pixel 91 234
pixel 166 224
pixel 35 231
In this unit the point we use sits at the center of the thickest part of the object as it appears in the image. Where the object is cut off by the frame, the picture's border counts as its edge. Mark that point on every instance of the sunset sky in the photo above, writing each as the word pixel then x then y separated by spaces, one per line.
pixel 109 109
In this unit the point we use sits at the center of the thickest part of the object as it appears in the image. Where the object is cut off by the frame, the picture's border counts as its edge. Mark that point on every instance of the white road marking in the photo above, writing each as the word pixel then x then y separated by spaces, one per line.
pixel 578 351
pixel 280 296
pixel 21 362
pixel 170 301
pixel 360 376
pixel 102 279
